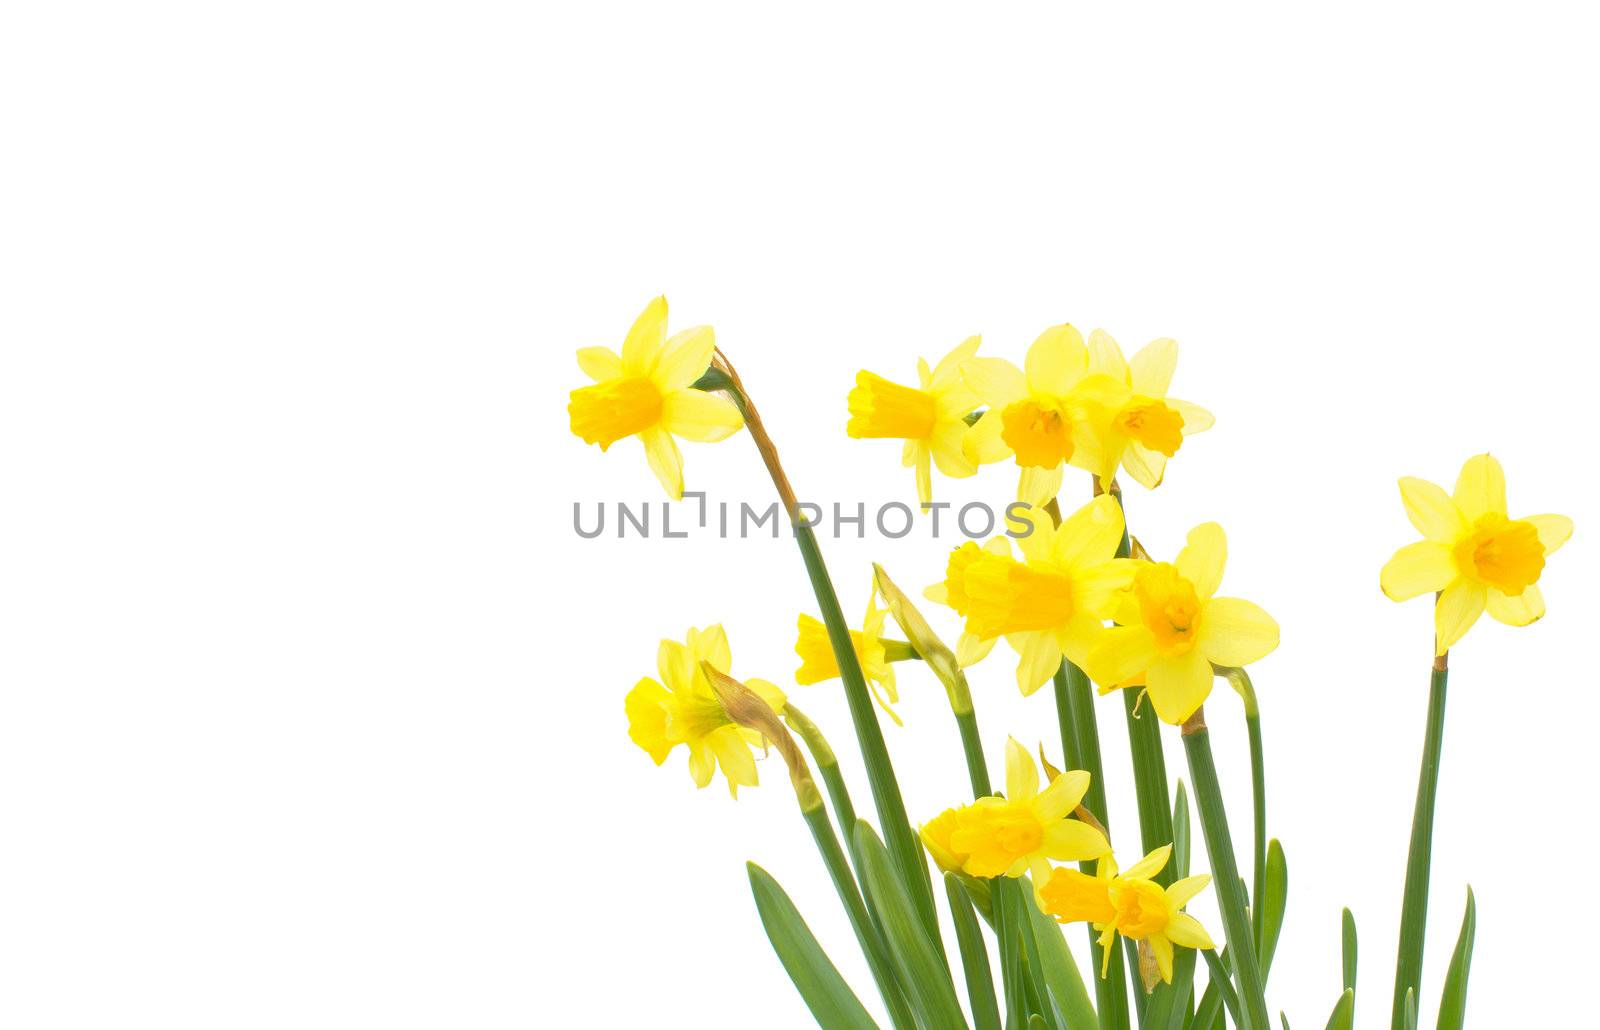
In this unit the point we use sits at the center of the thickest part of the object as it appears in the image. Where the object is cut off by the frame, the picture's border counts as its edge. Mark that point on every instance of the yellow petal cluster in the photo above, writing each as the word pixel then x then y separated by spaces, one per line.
pixel 1050 603
pixel 646 392
pixel 1020 832
pixel 682 708
pixel 930 417
pixel 818 663
pixel 1130 903
pixel 1172 629
pixel 1472 555
pixel 1133 423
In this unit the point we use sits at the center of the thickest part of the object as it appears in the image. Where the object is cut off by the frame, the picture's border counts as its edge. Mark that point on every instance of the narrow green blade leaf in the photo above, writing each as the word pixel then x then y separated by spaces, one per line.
pixel 974 956
pixel 923 973
pixel 1349 951
pixel 1059 969
pixel 1224 985
pixel 1036 1022
pixel 1453 1005
pixel 1344 1013
pixel 1272 904
pixel 816 978
pixel 1180 833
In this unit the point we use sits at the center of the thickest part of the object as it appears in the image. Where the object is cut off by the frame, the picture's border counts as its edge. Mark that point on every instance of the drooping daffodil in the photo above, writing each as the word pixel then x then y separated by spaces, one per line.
pixel 1021 832
pixel 1473 555
pixel 646 392
pixel 1130 903
pixel 682 708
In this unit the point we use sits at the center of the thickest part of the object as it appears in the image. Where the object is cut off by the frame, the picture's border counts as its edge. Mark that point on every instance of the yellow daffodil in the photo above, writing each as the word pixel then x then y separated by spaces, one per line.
pixel 930 418
pixel 645 392
pixel 1130 903
pixel 1035 415
pixel 682 708
pixel 1173 630
pixel 1473 556
pixel 1020 832
pixel 817 661
pixel 1132 421
pixel 1052 602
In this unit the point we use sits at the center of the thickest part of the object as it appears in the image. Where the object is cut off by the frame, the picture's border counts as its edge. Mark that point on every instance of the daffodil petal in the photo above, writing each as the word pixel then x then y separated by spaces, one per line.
pixel 996 380
pixel 1184 890
pixel 1431 510
pixel 983 443
pixel 1236 632
pixel 733 754
pixel 1022 777
pixel 1458 608
pixel 685 358
pixel 949 367
pixel 1119 654
pixel 947 444
pixel 970 650
pixel 1203 558
pixel 1148 866
pixel 1072 841
pixel 642 346
pixel 1040 657
pixel 1195 418
pixel 1147 467
pixel 1162 949
pixel 711 645
pixel 1152 367
pixel 1178 686
pixel 599 363
pixel 665 460
pixel 1056 361
pixel 1063 795
pixel 1089 535
pixel 1184 929
pixel 647 718
pixel 700 416
pixel 924 475
pixel 1424 567
pixel 1553 531
pixel 1481 487
pixel 1105 357
pixel 1527 607
pixel 702 762
pixel 1036 486
pixel 675 665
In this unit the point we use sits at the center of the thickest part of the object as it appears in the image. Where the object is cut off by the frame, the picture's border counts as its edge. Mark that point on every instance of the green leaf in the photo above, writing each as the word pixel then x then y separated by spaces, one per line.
pixel 816 978
pixel 1344 1013
pixel 1349 951
pixel 1036 1022
pixel 1219 977
pixel 1180 833
pixel 1272 904
pixel 974 956
pixel 1453 1005
pixel 1059 969
pixel 1419 858
pixel 1284 1017
pixel 923 973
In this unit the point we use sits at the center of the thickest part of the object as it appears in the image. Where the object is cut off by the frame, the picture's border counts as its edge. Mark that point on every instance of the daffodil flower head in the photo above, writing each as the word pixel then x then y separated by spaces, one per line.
pixel 818 663
pixel 682 708
pixel 1173 629
pixel 1133 423
pixel 1052 602
pixel 1034 413
pixel 1022 831
pixel 930 417
pixel 646 392
pixel 1473 555
pixel 1130 903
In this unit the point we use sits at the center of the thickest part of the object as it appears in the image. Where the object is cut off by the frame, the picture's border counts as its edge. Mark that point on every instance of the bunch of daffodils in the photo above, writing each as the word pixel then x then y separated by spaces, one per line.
pixel 1085 608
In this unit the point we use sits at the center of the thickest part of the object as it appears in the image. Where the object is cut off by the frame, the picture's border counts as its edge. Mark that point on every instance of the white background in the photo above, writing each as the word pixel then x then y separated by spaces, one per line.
pixel 312 698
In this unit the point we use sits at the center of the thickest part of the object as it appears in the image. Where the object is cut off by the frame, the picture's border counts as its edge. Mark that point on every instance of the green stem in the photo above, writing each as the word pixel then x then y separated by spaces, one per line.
pixel 1414 907
pixel 1080 742
pixel 1240 681
pixel 827 764
pixel 1225 872
pixel 1149 780
pixel 866 933
pixel 905 851
pixel 972 746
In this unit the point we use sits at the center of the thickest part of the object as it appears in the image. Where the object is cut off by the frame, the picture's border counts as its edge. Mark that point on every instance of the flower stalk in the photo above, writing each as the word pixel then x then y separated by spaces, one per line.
pixel 1419 859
